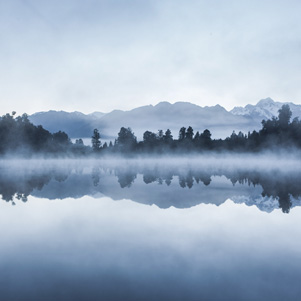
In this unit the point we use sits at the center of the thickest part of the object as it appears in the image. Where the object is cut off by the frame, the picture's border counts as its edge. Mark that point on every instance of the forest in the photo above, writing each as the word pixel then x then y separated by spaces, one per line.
pixel 278 132
pixel 18 136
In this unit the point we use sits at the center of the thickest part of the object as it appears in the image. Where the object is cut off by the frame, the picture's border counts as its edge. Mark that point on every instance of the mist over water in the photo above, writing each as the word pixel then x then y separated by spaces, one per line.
pixel 180 182
pixel 206 227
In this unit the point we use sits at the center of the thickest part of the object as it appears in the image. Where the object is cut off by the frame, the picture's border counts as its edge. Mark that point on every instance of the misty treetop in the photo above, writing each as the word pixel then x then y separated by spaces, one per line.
pixel 276 132
pixel 19 136
pixel 96 143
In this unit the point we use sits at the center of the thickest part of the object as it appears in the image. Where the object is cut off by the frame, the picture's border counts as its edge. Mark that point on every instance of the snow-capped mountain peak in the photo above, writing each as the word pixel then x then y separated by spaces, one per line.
pixel 265 109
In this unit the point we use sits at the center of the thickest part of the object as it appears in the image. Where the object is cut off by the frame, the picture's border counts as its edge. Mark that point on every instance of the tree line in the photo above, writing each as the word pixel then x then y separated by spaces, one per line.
pixel 19 136
pixel 276 132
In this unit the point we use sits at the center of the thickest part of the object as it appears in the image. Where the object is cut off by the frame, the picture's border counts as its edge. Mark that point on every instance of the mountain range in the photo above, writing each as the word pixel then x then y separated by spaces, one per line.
pixel 163 116
pixel 265 109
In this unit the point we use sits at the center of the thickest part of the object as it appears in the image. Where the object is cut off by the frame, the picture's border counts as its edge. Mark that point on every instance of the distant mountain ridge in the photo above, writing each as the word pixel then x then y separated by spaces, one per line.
pixel 75 124
pixel 163 116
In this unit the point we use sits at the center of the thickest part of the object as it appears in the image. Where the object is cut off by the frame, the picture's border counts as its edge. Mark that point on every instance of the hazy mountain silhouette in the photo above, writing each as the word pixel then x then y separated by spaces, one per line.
pixel 75 124
pixel 169 116
pixel 163 116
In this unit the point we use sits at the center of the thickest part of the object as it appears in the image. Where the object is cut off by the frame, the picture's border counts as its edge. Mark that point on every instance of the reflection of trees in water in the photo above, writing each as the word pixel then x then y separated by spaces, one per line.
pixel 21 187
pixel 186 181
pixel 202 177
pixel 284 202
pixel 155 175
pixel 96 176
pixel 125 177
pixel 18 185
pixel 282 189
pixel 276 185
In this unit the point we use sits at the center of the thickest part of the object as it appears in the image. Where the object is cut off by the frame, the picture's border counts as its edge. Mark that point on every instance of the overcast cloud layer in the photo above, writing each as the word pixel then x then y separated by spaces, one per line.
pixel 119 54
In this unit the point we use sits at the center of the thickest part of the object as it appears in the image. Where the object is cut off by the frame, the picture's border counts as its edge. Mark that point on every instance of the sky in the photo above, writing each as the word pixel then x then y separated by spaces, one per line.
pixel 101 55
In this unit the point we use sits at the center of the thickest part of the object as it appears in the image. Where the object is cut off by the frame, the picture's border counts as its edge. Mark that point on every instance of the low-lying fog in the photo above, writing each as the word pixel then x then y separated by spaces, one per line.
pixel 267 180
pixel 284 161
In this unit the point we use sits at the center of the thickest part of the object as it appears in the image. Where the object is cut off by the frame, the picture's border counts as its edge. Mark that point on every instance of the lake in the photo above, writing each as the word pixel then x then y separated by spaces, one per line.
pixel 169 229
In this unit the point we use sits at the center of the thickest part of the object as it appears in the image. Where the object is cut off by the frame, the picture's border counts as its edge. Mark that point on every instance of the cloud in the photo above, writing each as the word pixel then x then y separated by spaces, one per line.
pixel 101 55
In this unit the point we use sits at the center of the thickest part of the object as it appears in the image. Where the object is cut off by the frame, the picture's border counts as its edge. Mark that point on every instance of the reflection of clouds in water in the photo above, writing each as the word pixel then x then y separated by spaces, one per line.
pixel 101 248
pixel 171 182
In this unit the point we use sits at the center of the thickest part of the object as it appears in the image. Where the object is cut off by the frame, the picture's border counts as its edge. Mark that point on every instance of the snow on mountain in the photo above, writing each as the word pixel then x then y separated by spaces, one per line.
pixel 266 204
pixel 265 109
pixel 163 116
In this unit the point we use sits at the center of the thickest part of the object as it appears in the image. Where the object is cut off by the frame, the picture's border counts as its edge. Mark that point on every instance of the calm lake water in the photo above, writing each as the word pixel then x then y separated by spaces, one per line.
pixel 150 230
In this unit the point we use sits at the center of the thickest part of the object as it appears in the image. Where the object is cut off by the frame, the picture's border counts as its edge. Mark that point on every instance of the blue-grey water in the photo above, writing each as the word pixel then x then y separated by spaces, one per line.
pixel 132 231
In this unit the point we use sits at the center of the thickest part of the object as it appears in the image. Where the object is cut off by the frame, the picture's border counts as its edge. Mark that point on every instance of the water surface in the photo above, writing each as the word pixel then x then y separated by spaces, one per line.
pixel 125 230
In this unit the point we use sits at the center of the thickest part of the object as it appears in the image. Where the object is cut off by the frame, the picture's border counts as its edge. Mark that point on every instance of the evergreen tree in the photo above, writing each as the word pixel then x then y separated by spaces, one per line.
pixel 149 139
pixel 182 133
pixel 79 141
pixel 126 139
pixel 189 133
pixel 197 136
pixel 167 137
pixel 160 135
pixel 284 116
pixel 96 143
pixel 205 139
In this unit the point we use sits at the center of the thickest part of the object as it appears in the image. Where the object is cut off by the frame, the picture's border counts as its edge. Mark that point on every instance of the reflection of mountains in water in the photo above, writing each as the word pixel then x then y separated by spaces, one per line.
pixel 165 187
